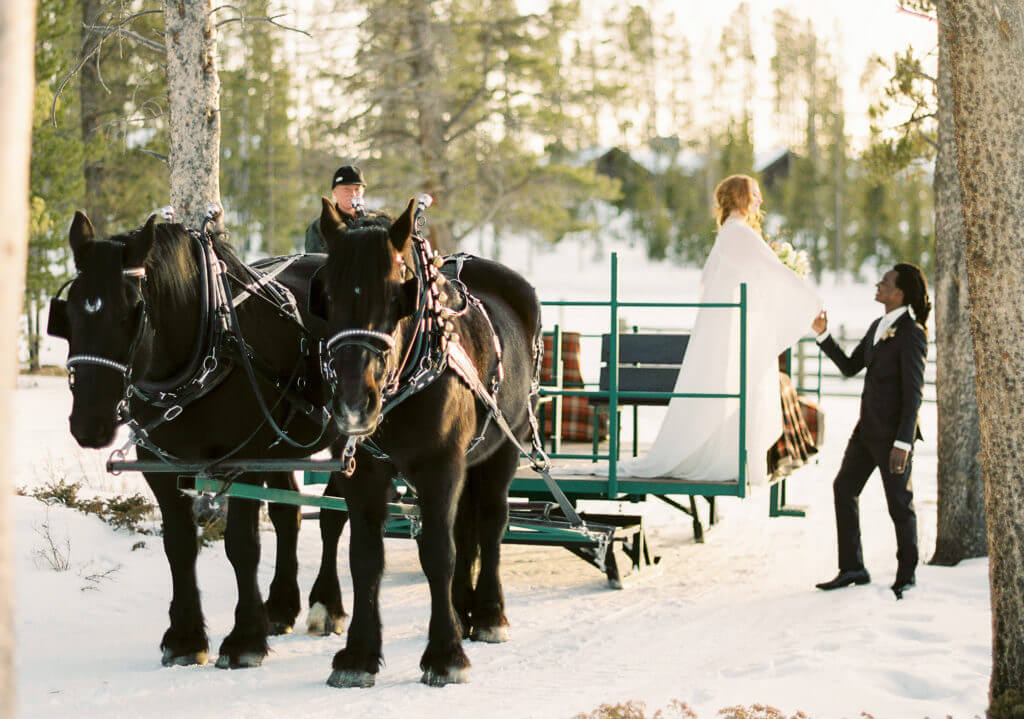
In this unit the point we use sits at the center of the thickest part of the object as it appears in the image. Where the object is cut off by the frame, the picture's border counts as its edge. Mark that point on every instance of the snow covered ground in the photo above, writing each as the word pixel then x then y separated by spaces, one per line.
pixel 733 621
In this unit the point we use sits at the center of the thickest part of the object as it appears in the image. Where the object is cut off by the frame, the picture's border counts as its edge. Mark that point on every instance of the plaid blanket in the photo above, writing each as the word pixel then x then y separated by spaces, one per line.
pixel 577 413
pixel 803 429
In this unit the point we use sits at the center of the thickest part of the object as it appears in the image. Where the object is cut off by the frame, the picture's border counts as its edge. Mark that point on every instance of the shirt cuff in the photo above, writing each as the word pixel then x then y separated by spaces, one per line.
pixel 901 445
pixel 822 337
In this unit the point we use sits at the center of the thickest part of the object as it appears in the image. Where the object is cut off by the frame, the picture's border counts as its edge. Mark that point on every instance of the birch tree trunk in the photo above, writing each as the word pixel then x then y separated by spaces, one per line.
pixel 193 100
pixel 986 52
pixel 961 497
pixel 17 80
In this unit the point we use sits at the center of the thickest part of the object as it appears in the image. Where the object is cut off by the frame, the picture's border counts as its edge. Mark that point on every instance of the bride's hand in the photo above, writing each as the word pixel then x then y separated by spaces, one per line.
pixel 820 323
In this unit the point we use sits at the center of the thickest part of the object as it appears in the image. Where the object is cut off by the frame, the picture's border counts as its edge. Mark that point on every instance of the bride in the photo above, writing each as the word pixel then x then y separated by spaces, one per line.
pixel 699 438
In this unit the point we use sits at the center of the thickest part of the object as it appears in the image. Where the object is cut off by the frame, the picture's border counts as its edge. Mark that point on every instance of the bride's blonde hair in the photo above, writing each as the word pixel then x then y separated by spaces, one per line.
pixel 736 194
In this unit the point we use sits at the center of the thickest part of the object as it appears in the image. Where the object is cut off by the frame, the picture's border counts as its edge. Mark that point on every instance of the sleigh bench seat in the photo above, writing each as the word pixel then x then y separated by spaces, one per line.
pixel 648 366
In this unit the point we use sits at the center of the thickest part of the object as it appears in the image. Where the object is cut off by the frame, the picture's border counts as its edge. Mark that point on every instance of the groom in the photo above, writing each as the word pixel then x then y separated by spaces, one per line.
pixel 893 350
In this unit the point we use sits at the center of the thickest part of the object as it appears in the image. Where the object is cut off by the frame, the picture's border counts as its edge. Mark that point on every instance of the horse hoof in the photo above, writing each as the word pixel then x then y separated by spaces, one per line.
pixel 490 635
pixel 170 659
pixel 278 628
pixel 320 622
pixel 245 660
pixel 454 675
pixel 346 678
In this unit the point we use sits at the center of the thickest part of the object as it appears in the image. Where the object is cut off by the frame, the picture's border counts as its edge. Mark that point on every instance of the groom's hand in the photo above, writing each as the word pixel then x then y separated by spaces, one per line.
pixel 898 460
pixel 820 323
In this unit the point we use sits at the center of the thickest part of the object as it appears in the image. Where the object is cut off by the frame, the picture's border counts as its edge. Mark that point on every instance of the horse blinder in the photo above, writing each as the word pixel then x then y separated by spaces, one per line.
pixel 57 323
pixel 408 298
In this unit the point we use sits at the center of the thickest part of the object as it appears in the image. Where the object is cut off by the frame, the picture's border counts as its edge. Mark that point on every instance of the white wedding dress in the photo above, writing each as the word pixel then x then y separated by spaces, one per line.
pixel 699 438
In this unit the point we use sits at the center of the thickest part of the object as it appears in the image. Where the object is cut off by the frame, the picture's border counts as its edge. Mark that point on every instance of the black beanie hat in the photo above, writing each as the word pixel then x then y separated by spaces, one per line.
pixel 348 175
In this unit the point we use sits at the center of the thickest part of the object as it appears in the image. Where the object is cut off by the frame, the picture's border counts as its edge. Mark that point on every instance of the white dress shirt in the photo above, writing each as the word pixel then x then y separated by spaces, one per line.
pixel 887 321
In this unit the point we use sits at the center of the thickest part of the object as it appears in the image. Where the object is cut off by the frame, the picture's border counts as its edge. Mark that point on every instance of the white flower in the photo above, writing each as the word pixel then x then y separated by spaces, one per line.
pixel 792 258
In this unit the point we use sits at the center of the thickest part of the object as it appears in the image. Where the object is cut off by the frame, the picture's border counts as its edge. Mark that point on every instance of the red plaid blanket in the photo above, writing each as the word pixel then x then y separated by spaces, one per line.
pixel 802 430
pixel 577 413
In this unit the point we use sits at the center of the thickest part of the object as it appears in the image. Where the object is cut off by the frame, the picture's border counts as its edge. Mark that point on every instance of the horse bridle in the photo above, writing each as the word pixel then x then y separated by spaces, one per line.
pixel 383 344
pixel 380 344
pixel 124 369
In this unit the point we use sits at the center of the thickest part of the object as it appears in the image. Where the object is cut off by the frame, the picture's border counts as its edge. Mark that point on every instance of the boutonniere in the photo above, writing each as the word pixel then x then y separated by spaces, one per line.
pixel 888 334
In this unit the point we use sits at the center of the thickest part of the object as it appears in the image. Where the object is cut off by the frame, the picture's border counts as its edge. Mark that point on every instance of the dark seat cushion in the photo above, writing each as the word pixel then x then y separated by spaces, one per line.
pixel 647 363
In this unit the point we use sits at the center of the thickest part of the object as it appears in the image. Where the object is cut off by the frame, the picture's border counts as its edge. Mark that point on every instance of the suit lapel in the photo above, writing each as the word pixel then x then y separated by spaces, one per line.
pixel 869 350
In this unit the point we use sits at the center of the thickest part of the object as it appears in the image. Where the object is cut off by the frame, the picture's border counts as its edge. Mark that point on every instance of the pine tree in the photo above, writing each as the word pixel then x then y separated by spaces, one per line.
pixel 56 180
pixel 120 92
pixel 262 184
pixel 452 98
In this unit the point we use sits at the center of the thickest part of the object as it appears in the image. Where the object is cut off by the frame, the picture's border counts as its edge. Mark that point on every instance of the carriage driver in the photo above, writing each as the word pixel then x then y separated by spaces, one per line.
pixel 347 184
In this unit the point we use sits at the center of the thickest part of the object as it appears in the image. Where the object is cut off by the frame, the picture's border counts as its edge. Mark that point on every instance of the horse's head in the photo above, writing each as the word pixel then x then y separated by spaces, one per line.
pixel 104 321
pixel 366 297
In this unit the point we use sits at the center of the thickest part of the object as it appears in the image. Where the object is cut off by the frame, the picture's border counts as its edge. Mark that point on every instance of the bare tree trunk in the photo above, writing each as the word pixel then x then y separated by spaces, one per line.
pixel 32 316
pixel 17 79
pixel 961 498
pixel 813 154
pixel 92 98
pixel 193 99
pixel 426 78
pixel 986 51
pixel 838 193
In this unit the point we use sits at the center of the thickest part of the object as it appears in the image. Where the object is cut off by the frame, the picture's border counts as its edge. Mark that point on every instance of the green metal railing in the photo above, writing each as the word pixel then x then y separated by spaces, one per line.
pixel 613 395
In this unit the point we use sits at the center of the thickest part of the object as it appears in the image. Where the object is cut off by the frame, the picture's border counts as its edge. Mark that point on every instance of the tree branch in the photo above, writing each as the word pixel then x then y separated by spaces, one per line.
pixel 462 131
pixel 902 8
pixel 157 155
pixel 918 72
pixel 270 19
pixel 916 119
pixel 479 93
pixel 129 35
pixel 103 32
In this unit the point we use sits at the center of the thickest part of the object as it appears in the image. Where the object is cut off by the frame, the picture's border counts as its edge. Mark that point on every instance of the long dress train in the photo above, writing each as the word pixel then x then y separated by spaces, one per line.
pixel 699 438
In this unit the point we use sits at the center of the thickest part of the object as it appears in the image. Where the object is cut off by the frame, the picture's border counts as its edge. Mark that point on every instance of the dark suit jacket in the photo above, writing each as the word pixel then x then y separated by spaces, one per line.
pixel 893 383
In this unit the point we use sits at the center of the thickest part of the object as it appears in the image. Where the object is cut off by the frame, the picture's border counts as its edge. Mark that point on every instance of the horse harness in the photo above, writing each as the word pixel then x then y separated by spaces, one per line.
pixel 219 347
pixel 433 349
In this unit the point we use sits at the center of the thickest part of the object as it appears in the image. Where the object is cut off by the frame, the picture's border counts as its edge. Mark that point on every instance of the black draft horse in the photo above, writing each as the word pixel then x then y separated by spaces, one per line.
pixel 134 311
pixel 430 437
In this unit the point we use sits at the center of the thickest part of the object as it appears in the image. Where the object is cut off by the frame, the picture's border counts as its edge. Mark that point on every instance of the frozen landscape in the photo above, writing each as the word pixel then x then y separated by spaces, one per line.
pixel 733 621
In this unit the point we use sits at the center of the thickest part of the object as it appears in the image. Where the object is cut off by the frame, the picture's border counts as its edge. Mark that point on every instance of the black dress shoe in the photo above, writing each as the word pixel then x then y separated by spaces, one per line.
pixel 845 579
pixel 901 585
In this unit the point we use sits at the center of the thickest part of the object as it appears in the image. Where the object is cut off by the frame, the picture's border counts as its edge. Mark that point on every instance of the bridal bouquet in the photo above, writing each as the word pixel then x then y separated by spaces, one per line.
pixel 792 258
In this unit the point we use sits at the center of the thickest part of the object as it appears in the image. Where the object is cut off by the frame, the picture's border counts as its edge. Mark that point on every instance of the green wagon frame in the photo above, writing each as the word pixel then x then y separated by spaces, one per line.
pixel 534 518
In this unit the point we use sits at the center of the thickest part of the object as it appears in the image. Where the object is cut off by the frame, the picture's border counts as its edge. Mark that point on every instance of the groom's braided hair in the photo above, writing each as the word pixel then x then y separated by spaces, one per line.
pixel 910 280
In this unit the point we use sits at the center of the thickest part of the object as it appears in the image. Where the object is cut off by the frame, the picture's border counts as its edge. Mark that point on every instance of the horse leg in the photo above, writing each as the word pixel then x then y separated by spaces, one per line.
pixel 326 612
pixel 358 663
pixel 440 485
pixel 283 603
pixel 466 544
pixel 489 484
pixel 246 645
pixel 185 640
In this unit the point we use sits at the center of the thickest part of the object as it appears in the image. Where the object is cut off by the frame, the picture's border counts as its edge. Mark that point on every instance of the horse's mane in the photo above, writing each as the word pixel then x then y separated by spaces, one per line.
pixel 361 255
pixel 172 272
